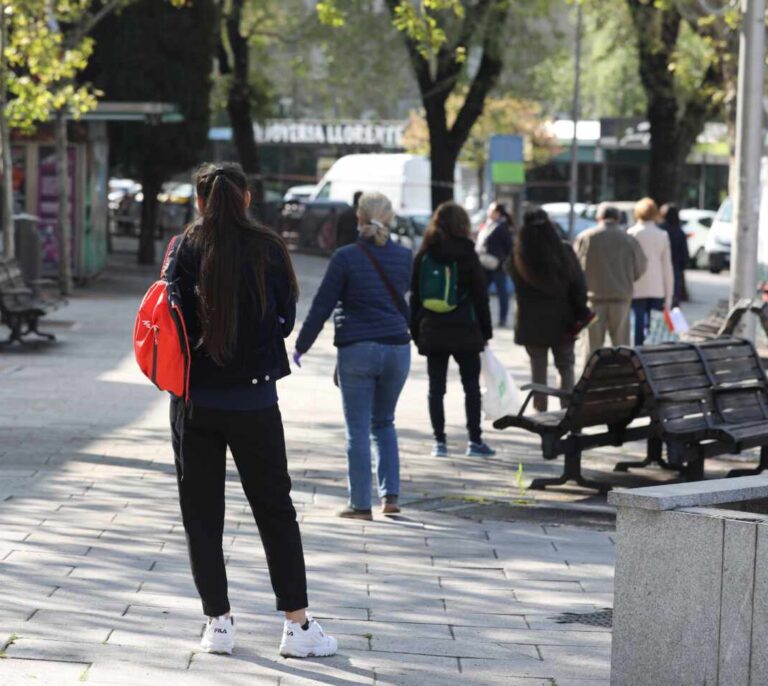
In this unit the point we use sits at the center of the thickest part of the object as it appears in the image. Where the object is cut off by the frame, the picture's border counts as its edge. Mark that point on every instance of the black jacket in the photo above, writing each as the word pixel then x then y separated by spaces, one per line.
pixel 466 329
pixel 544 318
pixel 499 242
pixel 678 243
pixel 259 353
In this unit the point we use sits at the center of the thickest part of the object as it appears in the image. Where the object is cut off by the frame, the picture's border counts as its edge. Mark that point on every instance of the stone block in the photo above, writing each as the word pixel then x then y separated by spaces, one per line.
pixel 667 615
pixel 759 659
pixel 692 493
pixel 739 542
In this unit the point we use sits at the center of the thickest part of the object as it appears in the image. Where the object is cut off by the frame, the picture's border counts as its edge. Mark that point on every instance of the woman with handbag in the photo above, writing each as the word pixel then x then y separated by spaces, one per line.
pixel 367 280
pixel 551 294
pixel 450 317
pixel 494 246
pixel 238 299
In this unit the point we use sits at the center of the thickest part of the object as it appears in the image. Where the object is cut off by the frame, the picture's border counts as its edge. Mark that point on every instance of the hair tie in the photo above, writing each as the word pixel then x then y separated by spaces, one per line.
pixel 377 223
pixel 218 172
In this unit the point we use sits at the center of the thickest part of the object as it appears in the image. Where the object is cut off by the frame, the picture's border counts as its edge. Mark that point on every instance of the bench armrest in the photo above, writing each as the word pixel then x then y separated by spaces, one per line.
pixel 540 388
pixel 547 390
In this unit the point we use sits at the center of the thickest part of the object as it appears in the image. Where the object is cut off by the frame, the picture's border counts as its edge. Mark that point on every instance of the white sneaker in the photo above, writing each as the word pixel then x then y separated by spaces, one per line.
pixel 219 636
pixel 312 642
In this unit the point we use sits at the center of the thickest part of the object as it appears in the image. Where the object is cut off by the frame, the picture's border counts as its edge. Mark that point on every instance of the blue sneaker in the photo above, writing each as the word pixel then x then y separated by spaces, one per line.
pixel 440 450
pixel 480 450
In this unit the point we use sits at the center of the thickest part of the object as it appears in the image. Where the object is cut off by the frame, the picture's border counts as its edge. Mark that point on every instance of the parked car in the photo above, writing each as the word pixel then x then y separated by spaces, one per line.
pixel 626 212
pixel 299 192
pixel 696 224
pixel 409 229
pixel 560 214
pixel 720 237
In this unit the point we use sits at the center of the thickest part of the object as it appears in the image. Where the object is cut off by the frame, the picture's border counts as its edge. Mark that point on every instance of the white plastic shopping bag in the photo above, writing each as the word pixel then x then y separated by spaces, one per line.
pixel 659 329
pixel 501 396
pixel 679 322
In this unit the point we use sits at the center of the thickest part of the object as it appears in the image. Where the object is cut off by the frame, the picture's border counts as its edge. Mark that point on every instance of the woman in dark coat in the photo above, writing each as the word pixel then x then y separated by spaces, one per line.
pixel 461 333
pixel 494 245
pixel 678 242
pixel 551 297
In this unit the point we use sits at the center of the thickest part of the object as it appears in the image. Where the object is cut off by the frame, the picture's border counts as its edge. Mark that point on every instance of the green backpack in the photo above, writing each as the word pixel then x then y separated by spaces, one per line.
pixel 438 285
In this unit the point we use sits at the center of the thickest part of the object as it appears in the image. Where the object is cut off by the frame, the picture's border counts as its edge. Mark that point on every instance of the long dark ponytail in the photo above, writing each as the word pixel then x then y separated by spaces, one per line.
pixel 540 256
pixel 219 238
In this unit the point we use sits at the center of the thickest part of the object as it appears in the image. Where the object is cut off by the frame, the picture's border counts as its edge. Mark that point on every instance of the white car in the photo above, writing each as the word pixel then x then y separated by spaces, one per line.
pixel 696 224
pixel 720 237
pixel 560 214
pixel 299 192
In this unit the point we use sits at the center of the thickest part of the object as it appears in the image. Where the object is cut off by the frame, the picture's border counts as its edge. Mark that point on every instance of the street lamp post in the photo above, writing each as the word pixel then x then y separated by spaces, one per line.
pixel 749 145
pixel 573 194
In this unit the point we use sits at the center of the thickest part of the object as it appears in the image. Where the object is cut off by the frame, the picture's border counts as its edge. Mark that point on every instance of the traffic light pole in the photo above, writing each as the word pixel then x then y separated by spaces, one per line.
pixel 749 147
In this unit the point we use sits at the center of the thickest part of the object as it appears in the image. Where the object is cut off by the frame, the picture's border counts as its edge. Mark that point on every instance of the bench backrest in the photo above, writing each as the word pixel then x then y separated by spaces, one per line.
pixel 6 276
pixel 689 386
pixel 11 274
pixel 675 369
pixel 741 389
pixel 609 392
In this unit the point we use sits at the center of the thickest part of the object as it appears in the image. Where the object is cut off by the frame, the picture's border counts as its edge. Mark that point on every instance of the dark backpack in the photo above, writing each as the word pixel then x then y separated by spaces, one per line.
pixel 438 285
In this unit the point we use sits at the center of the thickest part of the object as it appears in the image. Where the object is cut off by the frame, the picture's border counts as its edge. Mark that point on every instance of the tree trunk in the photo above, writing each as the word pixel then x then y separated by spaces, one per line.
pixel 62 190
pixel 239 98
pixel 151 186
pixel 666 163
pixel 6 158
pixel 442 166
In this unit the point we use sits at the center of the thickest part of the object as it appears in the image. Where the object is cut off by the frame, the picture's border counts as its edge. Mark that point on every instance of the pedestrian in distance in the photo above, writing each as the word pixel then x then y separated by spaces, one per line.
pixel 551 294
pixel 238 292
pixel 346 225
pixel 494 246
pixel 678 243
pixel 450 317
pixel 654 290
pixel 612 261
pixel 368 281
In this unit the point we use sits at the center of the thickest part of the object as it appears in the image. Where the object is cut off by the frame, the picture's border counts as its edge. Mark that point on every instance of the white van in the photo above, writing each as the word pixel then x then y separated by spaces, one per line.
pixel 404 179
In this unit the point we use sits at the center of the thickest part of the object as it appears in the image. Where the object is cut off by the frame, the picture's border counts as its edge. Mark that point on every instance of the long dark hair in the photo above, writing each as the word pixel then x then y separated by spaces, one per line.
pixel 219 238
pixel 449 220
pixel 671 215
pixel 540 255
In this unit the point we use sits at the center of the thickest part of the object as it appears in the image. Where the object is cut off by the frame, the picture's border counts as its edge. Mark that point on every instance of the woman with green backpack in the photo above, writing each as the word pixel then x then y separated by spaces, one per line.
pixel 450 317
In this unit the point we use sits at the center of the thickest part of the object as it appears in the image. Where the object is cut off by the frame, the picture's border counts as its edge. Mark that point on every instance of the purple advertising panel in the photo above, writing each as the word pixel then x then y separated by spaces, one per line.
pixel 48 203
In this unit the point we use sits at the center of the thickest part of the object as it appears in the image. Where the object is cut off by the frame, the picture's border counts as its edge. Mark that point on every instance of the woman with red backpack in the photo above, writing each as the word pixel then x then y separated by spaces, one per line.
pixel 238 300
pixel 450 317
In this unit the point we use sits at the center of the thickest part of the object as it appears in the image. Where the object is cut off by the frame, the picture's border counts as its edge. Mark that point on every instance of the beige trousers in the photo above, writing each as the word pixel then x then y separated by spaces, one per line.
pixel 613 319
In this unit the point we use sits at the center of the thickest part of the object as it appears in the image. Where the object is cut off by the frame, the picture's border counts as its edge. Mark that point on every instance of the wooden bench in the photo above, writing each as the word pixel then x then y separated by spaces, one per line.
pixel 21 306
pixel 604 403
pixel 705 399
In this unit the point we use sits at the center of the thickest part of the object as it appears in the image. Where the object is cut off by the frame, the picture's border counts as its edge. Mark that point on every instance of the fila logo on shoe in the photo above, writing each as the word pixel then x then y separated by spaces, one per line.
pixel 217 630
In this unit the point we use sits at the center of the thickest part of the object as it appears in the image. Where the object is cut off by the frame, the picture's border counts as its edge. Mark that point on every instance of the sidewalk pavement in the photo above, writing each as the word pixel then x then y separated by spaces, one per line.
pixel 95 581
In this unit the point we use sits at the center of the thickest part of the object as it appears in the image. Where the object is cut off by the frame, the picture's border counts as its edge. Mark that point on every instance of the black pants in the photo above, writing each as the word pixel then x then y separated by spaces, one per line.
pixel 257 442
pixel 469 369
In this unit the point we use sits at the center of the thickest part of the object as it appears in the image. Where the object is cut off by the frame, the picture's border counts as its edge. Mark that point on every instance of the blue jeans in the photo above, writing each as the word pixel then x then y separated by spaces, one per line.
pixel 641 308
pixel 498 277
pixel 371 376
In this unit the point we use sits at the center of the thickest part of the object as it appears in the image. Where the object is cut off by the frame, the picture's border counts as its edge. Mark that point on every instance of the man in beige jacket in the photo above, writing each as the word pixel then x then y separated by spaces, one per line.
pixel 612 262
pixel 654 289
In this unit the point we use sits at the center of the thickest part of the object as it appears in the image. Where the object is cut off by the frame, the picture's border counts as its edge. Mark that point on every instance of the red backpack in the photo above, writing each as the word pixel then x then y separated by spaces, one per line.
pixel 160 341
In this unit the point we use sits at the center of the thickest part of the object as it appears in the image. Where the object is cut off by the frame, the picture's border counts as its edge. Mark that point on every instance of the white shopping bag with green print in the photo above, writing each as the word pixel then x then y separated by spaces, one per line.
pixel 501 396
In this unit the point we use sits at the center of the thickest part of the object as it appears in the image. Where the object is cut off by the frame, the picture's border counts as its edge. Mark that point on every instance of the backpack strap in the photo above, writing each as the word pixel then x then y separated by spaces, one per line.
pixel 169 260
pixel 397 299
